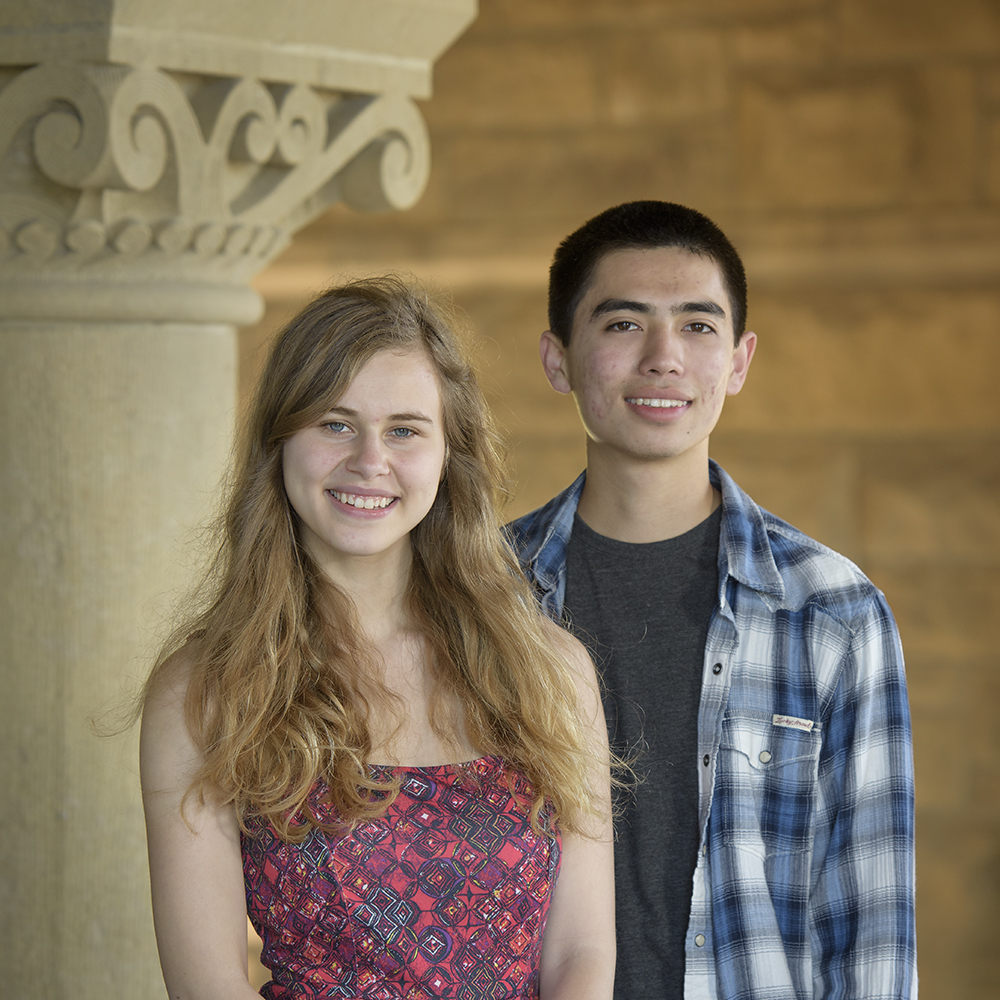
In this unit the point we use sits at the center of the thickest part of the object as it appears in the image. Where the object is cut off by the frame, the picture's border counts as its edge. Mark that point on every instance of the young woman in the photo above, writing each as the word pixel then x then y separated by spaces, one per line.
pixel 368 739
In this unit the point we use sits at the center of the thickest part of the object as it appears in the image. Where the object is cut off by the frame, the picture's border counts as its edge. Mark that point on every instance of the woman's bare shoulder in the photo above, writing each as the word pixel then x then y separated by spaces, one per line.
pixel 166 748
pixel 170 678
pixel 569 647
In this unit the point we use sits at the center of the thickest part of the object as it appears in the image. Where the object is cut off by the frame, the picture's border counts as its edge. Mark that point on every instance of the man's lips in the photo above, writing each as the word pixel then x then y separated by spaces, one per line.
pixel 665 404
pixel 361 502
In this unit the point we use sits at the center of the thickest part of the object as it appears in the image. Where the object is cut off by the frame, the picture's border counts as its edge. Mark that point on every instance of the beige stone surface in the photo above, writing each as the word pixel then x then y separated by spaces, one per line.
pixel 944 612
pixel 933 502
pixel 958 883
pixel 800 42
pixel 894 30
pixel 515 83
pixel 664 76
pixel 889 362
pixel 946 147
pixel 360 45
pixel 114 438
pixel 827 143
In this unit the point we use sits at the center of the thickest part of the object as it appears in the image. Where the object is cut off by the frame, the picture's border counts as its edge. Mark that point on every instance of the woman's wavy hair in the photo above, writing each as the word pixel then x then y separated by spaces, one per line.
pixel 280 682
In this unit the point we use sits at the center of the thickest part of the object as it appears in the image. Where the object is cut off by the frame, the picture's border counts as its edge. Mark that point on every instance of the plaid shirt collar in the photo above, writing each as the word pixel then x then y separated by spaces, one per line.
pixel 542 536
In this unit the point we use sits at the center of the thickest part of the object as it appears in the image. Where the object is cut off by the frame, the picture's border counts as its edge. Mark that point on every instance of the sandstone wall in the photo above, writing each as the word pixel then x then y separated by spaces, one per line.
pixel 852 150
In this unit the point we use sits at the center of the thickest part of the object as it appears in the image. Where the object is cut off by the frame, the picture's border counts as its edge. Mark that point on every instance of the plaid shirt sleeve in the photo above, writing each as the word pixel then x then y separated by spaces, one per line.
pixel 807 877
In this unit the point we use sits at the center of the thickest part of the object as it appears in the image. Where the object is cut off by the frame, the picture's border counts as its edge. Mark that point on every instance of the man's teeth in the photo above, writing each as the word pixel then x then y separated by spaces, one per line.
pixel 366 503
pixel 659 402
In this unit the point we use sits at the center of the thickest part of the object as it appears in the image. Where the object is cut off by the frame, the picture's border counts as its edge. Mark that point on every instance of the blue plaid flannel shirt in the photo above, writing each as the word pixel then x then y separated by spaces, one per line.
pixel 804 886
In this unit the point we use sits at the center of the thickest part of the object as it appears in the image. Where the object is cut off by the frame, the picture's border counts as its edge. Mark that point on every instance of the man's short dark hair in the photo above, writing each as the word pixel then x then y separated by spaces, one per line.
pixel 639 225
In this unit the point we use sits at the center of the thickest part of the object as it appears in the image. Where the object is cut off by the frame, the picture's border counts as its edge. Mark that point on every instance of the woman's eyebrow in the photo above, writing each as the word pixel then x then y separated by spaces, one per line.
pixel 346 411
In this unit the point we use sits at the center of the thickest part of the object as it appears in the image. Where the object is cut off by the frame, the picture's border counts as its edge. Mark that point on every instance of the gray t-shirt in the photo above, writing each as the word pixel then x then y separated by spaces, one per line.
pixel 643 612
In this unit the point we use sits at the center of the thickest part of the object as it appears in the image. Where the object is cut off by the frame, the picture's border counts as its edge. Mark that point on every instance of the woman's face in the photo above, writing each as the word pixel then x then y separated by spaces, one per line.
pixel 366 473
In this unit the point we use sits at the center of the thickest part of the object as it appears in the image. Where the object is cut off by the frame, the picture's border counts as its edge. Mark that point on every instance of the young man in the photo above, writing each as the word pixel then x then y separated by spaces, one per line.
pixel 755 675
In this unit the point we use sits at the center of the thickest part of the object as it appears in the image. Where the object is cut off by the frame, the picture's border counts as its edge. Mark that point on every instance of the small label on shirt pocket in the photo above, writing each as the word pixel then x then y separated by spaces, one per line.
pixel 766 783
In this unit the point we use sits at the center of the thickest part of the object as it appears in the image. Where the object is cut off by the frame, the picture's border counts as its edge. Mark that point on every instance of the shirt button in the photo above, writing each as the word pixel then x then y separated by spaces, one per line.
pixel 764 756
pixel 699 940
pixel 717 669
pixel 705 760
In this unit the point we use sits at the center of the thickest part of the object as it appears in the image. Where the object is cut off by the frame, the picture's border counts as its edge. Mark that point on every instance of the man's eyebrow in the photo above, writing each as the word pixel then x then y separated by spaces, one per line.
pixel 647 309
pixel 346 411
pixel 712 308
pixel 621 305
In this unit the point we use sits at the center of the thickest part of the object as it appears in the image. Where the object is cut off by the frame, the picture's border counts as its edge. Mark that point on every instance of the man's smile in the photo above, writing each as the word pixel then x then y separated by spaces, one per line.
pixel 641 401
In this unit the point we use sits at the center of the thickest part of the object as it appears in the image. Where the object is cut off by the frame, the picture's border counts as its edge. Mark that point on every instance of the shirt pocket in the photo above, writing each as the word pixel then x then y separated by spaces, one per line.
pixel 766 783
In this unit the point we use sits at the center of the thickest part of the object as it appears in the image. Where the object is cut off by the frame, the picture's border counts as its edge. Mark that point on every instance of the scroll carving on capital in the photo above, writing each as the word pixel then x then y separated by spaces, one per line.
pixel 115 175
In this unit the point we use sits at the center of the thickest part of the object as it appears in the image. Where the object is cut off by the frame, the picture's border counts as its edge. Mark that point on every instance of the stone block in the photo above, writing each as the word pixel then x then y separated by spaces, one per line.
pixel 836 143
pixel 799 43
pixel 932 502
pixel 943 613
pixel 534 179
pixel 992 164
pixel 872 362
pixel 664 76
pixel 372 45
pixel 958 889
pixel 629 14
pixel 956 740
pixel 543 430
pixel 893 30
pixel 946 136
pixel 524 85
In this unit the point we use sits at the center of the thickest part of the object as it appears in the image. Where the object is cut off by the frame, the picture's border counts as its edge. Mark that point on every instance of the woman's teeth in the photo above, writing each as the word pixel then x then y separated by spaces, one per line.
pixel 365 503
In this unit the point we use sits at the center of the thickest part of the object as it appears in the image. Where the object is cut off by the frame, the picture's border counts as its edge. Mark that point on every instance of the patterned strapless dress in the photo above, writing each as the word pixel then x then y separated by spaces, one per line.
pixel 446 895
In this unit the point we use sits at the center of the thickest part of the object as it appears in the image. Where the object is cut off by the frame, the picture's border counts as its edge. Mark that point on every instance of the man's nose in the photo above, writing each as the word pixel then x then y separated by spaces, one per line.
pixel 662 352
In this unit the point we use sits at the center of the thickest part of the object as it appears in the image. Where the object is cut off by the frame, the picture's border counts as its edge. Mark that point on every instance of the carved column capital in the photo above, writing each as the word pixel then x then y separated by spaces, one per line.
pixel 137 193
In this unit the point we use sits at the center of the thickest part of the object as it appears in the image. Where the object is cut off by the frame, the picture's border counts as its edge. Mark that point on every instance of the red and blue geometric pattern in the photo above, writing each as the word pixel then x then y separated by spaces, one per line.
pixel 446 895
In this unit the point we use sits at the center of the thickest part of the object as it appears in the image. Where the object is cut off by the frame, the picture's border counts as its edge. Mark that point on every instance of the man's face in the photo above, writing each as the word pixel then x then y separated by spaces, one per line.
pixel 651 355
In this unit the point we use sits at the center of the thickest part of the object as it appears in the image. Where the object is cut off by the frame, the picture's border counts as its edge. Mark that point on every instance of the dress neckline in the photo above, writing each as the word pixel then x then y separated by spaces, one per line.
pixel 476 763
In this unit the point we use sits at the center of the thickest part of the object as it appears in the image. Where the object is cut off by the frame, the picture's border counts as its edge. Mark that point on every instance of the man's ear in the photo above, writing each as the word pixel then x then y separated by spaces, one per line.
pixel 742 357
pixel 554 362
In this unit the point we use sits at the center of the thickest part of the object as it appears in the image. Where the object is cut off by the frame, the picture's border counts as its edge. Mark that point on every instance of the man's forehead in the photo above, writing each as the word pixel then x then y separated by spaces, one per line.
pixel 639 274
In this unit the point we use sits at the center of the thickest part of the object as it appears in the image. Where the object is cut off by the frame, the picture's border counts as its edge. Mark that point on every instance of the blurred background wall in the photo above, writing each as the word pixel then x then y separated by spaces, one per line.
pixel 851 149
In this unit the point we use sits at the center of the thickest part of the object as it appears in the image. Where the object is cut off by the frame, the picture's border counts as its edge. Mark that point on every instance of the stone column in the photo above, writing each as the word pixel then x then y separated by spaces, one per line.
pixel 152 160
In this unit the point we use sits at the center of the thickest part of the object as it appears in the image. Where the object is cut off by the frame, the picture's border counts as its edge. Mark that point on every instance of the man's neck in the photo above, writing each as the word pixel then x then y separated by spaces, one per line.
pixel 635 500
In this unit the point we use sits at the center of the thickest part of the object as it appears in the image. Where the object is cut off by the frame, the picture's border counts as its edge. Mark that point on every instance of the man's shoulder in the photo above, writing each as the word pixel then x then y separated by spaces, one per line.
pixel 796 569
pixel 532 531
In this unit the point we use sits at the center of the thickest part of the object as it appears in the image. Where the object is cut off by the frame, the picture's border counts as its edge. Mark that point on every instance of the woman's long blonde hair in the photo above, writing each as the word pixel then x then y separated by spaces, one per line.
pixel 280 682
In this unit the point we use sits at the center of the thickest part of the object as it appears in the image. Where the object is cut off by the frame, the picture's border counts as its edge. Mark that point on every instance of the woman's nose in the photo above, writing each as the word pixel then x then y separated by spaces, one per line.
pixel 368 457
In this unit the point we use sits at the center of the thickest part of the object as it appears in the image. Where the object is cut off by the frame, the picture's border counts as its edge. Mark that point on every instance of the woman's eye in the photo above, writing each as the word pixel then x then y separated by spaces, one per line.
pixel 402 432
pixel 337 426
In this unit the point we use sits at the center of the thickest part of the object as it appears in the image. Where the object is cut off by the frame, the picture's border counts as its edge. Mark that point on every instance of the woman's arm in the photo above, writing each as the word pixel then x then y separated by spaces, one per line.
pixel 195 865
pixel 578 952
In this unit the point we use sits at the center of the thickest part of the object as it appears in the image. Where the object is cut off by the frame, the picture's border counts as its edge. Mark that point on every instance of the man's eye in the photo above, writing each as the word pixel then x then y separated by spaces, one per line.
pixel 701 328
pixel 624 325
